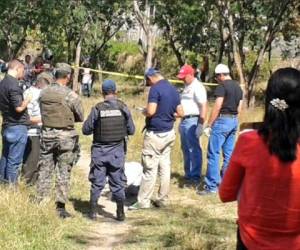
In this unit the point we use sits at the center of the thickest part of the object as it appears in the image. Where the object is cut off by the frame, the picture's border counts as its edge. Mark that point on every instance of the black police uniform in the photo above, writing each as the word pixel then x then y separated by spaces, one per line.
pixel 110 122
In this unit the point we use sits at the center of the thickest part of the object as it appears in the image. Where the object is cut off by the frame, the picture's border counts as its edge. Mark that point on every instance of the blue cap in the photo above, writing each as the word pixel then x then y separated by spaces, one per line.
pixel 151 72
pixel 109 86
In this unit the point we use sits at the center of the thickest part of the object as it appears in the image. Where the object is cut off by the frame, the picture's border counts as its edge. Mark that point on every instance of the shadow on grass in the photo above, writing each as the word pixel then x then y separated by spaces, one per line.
pixel 180 180
pixel 85 240
pixel 83 206
pixel 181 228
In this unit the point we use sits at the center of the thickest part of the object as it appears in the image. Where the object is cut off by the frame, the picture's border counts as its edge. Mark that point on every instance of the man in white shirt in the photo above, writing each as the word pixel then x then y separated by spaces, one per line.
pixel 86 82
pixel 194 103
pixel 32 150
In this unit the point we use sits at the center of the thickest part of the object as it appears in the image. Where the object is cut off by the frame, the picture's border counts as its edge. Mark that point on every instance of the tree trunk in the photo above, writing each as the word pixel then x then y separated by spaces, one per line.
pixel 178 55
pixel 144 19
pixel 268 39
pixel 222 40
pixel 9 48
pixel 69 50
pixel 77 62
pixel 270 58
pixel 148 62
pixel 235 50
pixel 221 51
pixel 254 72
pixel 100 75
pixel 205 69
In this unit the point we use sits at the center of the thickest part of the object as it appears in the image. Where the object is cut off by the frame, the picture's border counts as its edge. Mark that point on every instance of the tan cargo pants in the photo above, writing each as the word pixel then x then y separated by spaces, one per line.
pixel 156 159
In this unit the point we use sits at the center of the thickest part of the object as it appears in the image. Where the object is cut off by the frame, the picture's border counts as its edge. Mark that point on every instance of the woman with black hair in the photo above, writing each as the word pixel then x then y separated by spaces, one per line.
pixel 264 171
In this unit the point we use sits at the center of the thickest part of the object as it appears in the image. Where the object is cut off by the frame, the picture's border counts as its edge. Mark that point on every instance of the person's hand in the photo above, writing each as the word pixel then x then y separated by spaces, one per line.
pixel 207 131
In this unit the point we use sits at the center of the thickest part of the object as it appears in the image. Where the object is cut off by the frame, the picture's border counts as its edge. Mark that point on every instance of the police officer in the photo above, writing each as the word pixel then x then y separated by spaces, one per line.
pixel 60 109
pixel 110 122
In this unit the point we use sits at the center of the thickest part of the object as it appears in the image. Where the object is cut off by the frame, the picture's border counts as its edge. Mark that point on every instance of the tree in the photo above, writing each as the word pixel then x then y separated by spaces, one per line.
pixel 84 26
pixel 145 15
pixel 254 24
pixel 106 19
pixel 16 18
pixel 188 26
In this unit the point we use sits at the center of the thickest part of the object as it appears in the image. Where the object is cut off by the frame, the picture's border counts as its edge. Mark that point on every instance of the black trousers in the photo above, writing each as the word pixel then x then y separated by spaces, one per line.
pixel 31 158
pixel 239 243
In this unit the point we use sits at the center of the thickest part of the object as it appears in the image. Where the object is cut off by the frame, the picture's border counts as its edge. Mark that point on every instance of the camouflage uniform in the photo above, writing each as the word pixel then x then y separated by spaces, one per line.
pixel 58 146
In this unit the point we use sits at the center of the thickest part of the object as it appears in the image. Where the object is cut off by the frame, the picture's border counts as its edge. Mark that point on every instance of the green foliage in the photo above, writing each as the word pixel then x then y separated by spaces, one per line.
pixel 124 57
pixel 116 48
pixel 186 25
pixel 17 16
pixel 106 18
pixel 189 28
pixel 167 62
pixel 265 68
pixel 64 23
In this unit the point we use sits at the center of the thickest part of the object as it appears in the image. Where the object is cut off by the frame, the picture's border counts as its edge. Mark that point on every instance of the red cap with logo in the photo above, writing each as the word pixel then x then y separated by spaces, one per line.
pixel 185 70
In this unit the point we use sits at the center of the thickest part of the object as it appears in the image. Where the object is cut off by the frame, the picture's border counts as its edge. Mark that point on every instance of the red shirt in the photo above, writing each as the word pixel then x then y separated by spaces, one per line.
pixel 268 194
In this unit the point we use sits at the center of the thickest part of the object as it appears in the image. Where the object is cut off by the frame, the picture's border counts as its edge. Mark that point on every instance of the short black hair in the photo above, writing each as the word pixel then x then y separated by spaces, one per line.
pixel 281 128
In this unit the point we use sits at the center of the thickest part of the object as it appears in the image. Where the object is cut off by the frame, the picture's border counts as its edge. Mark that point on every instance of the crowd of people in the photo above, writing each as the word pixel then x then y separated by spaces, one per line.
pixel 261 171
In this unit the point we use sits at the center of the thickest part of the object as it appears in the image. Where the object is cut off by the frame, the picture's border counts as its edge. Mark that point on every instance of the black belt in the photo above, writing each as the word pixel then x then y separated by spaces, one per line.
pixel 227 115
pixel 189 116
pixel 35 126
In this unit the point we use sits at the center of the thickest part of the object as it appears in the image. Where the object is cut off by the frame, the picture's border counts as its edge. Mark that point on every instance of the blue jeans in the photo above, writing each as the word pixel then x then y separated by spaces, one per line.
pixel 222 138
pixel 14 140
pixel 190 130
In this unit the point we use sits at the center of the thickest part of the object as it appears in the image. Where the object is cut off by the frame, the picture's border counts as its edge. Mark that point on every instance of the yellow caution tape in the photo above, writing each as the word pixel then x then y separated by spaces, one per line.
pixel 134 76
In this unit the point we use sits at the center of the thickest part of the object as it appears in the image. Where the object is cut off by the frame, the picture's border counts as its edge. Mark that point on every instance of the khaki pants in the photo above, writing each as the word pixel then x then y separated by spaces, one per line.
pixel 156 159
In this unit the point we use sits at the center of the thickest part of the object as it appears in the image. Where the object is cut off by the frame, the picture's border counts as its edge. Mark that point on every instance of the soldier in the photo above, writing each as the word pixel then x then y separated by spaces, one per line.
pixel 60 109
pixel 110 122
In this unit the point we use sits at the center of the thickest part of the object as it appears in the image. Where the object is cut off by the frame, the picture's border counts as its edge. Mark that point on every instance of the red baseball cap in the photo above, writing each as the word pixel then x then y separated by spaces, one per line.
pixel 185 70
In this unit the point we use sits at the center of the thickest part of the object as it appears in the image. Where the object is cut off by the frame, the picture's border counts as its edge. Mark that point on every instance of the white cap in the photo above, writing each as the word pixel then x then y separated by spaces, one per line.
pixel 222 69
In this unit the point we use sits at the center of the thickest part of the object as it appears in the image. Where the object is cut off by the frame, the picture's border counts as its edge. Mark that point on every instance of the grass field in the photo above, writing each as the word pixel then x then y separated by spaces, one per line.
pixel 190 222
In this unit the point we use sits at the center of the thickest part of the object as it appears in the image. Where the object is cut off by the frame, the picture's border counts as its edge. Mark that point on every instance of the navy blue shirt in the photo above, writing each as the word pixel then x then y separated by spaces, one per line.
pixel 167 99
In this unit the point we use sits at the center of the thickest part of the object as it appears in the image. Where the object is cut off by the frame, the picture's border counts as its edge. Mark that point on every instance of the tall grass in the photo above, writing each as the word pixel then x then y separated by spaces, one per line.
pixel 28 225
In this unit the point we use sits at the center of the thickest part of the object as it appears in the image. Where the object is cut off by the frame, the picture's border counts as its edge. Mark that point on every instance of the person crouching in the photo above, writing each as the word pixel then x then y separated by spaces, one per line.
pixel 110 122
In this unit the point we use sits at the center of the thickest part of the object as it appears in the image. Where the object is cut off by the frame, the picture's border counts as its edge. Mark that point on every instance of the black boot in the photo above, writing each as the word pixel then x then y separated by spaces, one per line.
pixel 61 210
pixel 120 211
pixel 93 210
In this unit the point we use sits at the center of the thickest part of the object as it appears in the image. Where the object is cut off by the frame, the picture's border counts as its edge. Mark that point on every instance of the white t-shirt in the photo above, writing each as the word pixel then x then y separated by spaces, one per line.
pixel 33 107
pixel 193 94
pixel 86 76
